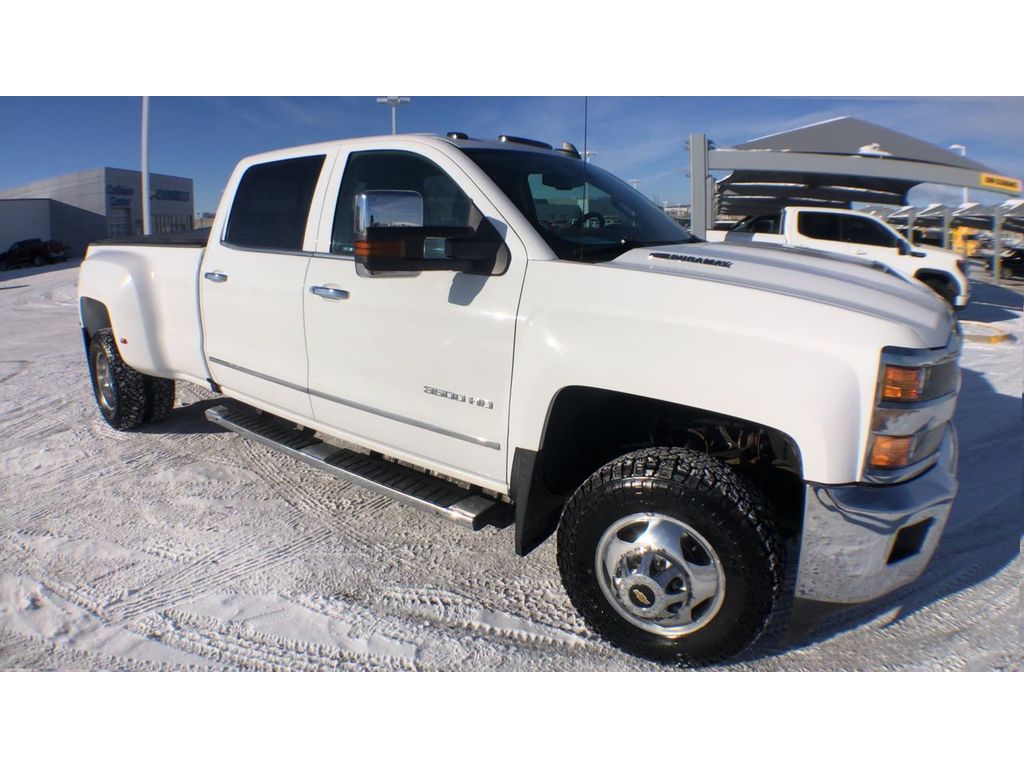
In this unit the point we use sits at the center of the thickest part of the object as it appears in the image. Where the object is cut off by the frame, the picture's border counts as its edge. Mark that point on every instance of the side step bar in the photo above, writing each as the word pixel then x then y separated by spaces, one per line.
pixel 409 486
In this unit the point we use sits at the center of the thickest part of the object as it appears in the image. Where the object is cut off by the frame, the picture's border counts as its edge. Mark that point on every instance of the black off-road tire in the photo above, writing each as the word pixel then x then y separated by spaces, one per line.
pixel 159 399
pixel 709 497
pixel 126 408
pixel 138 398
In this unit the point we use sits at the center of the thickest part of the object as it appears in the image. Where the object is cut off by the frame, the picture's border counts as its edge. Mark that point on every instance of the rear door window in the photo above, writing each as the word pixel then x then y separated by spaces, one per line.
pixel 862 231
pixel 762 225
pixel 271 205
pixel 819 226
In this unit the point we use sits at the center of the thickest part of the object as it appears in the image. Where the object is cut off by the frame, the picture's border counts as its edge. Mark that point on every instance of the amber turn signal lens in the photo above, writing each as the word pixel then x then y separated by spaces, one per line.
pixel 381 248
pixel 902 383
pixel 888 452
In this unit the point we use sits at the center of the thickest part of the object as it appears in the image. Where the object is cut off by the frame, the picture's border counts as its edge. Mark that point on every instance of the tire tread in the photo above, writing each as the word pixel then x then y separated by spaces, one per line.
pixel 681 473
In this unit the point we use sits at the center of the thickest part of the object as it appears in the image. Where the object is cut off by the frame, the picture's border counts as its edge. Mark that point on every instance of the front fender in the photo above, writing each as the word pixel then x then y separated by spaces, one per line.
pixel 805 369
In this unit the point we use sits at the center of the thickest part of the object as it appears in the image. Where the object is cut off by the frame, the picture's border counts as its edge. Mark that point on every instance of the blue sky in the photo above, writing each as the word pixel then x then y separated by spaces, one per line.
pixel 633 137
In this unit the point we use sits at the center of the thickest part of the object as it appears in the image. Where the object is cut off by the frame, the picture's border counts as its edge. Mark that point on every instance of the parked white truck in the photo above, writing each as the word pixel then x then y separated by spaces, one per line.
pixel 497 330
pixel 860 235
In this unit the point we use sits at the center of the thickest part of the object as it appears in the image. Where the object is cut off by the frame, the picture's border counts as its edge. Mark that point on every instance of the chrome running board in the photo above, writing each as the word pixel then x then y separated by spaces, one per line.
pixel 468 507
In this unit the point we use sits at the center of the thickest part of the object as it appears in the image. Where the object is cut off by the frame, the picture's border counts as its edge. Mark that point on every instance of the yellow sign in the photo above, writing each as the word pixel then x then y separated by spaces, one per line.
pixel 1002 183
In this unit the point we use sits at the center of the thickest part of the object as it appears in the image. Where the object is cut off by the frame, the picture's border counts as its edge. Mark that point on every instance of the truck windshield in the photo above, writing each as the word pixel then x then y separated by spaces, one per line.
pixel 583 212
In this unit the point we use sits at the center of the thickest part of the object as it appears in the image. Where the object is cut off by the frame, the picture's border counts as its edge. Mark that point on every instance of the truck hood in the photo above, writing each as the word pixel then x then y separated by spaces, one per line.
pixel 860 286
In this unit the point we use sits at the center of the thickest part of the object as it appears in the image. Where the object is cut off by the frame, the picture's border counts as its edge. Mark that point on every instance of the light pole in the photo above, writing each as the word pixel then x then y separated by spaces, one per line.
pixel 634 183
pixel 963 153
pixel 146 226
pixel 394 102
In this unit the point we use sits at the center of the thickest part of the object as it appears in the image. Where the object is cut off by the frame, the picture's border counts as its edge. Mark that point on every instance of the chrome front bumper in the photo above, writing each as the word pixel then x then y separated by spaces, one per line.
pixel 862 541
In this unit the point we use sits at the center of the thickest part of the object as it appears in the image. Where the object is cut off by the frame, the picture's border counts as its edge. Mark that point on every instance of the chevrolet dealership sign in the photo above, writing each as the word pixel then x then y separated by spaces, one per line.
pixel 1001 183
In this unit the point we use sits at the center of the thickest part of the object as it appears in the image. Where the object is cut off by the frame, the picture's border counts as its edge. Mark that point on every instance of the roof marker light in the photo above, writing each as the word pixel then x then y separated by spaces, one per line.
pixel 506 139
pixel 569 149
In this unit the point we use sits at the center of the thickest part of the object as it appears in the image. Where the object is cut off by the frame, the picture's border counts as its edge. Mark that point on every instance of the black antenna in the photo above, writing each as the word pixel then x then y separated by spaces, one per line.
pixel 585 155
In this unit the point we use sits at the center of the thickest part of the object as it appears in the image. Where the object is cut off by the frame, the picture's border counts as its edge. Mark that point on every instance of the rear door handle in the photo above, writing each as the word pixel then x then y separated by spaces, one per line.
pixel 328 293
pixel 217 277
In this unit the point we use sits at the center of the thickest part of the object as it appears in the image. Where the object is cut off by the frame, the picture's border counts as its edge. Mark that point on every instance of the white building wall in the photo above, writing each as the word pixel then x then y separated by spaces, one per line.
pixel 115 194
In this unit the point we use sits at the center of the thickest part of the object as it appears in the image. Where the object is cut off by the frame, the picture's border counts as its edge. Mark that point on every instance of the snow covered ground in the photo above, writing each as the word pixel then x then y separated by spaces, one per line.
pixel 186 547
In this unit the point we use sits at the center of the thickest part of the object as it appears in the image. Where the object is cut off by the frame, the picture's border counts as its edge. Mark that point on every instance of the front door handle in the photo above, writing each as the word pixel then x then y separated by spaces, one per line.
pixel 328 293
pixel 217 277
pixel 860 253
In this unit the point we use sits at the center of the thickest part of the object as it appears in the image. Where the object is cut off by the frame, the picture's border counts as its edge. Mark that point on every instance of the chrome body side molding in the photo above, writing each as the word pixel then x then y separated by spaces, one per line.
pixel 483 442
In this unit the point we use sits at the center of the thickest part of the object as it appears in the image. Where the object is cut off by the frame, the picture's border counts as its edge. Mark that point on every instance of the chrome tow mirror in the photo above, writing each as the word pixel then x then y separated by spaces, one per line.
pixel 388 208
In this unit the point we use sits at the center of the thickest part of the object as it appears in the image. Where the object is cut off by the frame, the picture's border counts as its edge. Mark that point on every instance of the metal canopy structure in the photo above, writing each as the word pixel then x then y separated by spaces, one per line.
pixel 1009 216
pixel 997 219
pixel 833 164
pixel 1013 215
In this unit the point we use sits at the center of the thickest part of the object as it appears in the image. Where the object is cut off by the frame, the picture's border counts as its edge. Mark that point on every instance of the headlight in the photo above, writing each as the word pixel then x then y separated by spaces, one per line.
pixel 916 397
pixel 901 384
pixel 891 452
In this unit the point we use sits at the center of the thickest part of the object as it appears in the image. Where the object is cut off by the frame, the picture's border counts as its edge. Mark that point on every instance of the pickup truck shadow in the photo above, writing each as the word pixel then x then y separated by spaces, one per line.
pixel 991 303
pixel 982 536
pixel 188 419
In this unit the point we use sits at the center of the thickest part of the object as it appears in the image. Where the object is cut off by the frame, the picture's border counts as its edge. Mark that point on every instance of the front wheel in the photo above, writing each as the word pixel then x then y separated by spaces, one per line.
pixel 671 555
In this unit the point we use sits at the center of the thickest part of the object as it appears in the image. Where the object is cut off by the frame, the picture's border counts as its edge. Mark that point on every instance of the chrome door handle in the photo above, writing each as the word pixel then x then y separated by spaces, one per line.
pixel 217 277
pixel 860 253
pixel 328 293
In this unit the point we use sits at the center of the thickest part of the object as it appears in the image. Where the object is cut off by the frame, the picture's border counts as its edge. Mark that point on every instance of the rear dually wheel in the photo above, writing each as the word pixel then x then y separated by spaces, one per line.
pixel 126 397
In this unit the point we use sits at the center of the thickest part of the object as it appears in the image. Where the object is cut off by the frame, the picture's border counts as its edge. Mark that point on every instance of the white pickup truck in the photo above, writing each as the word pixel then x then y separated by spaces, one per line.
pixel 860 235
pixel 497 331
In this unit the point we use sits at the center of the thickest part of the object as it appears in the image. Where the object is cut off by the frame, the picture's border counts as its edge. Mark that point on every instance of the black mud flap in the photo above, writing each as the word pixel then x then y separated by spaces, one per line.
pixel 537 509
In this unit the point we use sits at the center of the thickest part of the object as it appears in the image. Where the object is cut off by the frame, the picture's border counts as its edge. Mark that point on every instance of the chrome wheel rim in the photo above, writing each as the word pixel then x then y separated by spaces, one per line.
pixel 660 574
pixel 105 383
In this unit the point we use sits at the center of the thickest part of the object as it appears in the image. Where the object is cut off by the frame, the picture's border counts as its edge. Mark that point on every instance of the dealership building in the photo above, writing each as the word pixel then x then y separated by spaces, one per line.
pixel 78 208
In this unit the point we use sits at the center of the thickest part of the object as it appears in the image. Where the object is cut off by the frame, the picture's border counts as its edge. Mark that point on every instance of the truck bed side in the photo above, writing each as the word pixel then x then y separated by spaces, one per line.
pixel 148 294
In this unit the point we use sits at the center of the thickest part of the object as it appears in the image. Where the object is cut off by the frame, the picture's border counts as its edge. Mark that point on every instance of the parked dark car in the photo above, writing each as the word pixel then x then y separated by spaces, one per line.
pixel 33 251
pixel 1012 264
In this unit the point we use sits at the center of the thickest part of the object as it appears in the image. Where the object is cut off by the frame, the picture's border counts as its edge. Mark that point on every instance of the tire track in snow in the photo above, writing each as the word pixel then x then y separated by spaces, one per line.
pixel 231 643
pixel 447 608
pixel 303 489
pixel 11 368
pixel 187 584
pixel 475 615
